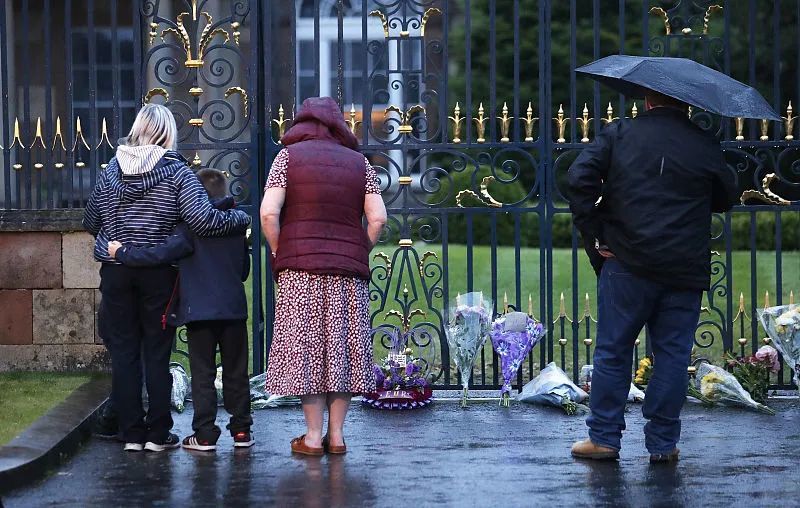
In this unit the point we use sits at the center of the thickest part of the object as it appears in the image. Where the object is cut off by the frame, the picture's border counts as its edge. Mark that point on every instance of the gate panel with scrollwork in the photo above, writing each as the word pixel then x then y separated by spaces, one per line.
pixel 470 110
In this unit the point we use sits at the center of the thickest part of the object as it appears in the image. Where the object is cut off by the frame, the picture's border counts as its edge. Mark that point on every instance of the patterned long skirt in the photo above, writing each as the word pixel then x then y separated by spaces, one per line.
pixel 321 341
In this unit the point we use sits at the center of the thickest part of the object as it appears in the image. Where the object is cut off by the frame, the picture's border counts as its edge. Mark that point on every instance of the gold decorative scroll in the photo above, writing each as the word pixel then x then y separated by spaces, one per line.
pixel 386 261
pixel 194 61
pixel 484 198
pixel 658 11
pixel 711 10
pixel 385 22
pixel 241 91
pixel 405 118
pixel 425 256
pixel 425 17
pixel 153 92
pixel 767 196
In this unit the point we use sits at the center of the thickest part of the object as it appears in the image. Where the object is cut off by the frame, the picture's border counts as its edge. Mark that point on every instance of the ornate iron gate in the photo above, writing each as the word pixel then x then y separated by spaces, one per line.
pixel 471 111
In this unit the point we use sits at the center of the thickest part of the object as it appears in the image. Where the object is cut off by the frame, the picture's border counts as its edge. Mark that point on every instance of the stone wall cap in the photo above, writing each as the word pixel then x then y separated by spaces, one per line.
pixel 60 219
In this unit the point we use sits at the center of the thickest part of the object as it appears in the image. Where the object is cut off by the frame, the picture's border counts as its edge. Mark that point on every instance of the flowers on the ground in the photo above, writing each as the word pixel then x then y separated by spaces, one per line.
pixel 513 337
pixel 783 327
pixel 466 332
pixel 552 387
pixel 720 386
pixel 400 377
pixel 644 371
pixel 752 372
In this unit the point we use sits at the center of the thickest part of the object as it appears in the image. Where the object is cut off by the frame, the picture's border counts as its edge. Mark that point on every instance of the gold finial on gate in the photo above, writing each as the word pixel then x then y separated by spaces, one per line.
pixel 634 111
pixel 505 302
pixel 739 122
pixel 529 121
pixel 658 11
pixel 587 311
pixel 711 10
pixel 609 115
pixel 562 307
pixel 281 121
pixel 584 123
pixel 789 120
pixel 764 130
pixel 104 136
pixel 58 138
pixel 456 119
pixel 791 297
pixel 505 123
pixel 530 305
pixel 17 139
pixel 480 124
pixel 561 123
pixel 38 136
pixel 79 136
pixel 766 299
pixel 352 122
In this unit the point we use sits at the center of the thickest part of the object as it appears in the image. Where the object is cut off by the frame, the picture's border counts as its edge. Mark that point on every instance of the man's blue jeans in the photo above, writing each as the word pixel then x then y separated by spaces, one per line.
pixel 626 304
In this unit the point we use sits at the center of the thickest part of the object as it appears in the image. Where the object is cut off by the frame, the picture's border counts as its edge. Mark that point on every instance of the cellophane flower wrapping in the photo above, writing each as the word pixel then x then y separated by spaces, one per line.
pixel 782 324
pixel 585 382
pixel 513 342
pixel 552 387
pixel 467 331
pixel 720 386
pixel 180 387
pixel 261 399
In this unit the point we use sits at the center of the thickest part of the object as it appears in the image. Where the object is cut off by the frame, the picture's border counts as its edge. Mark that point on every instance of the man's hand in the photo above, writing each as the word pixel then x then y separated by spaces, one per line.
pixel 112 248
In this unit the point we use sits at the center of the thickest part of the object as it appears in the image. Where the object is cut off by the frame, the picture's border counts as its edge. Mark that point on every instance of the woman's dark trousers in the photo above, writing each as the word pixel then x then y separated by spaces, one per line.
pixel 130 323
pixel 231 337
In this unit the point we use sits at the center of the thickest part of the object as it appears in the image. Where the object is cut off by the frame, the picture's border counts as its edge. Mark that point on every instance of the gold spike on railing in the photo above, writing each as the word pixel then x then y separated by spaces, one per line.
pixel 584 122
pixel 739 128
pixel 587 311
pixel 104 136
pixel 505 124
pixel 352 122
pixel 788 122
pixel 609 115
pixel 58 138
pixel 79 135
pixel 38 137
pixel 530 305
pixel 456 119
pixel 281 121
pixel 505 303
pixel 529 122
pixel 634 111
pixel 480 124
pixel 766 299
pixel 764 130
pixel 17 139
pixel 561 123
pixel 562 309
pixel 791 297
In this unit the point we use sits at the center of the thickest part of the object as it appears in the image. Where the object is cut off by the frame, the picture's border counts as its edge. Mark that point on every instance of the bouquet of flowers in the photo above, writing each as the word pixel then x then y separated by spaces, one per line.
pixel 585 381
pixel 783 327
pixel 752 372
pixel 180 386
pixel 643 372
pixel 720 386
pixel 400 379
pixel 552 387
pixel 513 336
pixel 467 331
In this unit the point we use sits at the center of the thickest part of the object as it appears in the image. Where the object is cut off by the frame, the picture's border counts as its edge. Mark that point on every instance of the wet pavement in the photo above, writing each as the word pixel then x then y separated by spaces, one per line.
pixel 443 455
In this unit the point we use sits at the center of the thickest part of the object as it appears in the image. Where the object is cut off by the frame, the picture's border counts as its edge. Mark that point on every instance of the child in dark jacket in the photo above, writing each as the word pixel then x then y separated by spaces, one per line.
pixel 209 299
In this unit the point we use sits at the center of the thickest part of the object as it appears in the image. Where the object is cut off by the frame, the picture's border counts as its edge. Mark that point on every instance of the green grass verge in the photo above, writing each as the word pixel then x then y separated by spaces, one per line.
pixel 26 396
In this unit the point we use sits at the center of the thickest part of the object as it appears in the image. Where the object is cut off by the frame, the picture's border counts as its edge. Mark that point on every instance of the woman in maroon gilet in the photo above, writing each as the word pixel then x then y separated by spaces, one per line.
pixel 318 191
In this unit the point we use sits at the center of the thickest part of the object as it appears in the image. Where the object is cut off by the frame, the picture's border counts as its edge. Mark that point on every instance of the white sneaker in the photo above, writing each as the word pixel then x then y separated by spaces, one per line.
pixel 171 442
pixel 133 447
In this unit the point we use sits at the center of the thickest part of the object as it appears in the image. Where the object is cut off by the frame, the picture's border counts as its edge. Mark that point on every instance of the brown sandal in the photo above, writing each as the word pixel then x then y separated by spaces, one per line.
pixel 333 450
pixel 299 446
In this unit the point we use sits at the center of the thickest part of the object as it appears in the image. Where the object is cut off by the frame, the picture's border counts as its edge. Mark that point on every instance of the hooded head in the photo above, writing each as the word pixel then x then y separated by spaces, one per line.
pixel 153 133
pixel 320 118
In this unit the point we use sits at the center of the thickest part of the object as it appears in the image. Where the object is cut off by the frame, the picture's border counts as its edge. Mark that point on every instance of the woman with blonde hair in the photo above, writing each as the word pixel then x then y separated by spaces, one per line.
pixel 145 190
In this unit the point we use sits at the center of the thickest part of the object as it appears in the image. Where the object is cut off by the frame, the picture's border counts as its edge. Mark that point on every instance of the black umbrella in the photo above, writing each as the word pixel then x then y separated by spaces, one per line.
pixel 682 79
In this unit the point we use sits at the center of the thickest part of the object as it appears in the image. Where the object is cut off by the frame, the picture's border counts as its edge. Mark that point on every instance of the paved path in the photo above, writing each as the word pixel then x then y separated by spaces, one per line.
pixel 443 455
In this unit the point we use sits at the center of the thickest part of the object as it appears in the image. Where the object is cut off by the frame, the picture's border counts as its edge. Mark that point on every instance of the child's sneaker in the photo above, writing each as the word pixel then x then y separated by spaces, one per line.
pixel 133 447
pixel 171 442
pixel 194 443
pixel 243 440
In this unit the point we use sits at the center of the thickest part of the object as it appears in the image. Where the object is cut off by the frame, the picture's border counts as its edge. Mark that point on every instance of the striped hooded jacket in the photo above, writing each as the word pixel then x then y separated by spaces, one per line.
pixel 144 193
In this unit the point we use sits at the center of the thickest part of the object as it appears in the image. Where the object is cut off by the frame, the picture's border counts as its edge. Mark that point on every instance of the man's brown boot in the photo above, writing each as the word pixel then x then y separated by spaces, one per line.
pixel 587 450
pixel 665 458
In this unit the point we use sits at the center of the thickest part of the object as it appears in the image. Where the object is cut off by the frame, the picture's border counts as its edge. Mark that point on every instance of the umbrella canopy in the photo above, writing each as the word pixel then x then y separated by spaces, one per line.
pixel 682 79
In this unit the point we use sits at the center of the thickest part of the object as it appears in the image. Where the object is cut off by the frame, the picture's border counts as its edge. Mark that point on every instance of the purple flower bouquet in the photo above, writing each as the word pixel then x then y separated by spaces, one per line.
pixel 513 336
pixel 400 379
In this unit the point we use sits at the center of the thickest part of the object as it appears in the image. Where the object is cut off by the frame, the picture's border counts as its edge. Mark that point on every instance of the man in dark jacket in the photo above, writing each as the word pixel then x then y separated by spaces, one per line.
pixel 211 302
pixel 642 196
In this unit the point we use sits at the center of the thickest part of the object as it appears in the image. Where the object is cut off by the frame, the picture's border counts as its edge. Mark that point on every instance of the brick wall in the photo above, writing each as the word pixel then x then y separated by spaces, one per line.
pixel 48 298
